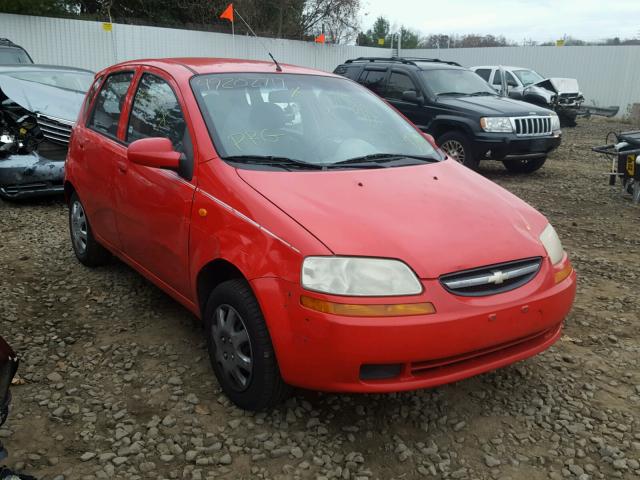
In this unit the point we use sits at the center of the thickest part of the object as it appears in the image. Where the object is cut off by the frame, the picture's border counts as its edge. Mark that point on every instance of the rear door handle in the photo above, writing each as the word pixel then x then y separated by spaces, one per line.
pixel 122 166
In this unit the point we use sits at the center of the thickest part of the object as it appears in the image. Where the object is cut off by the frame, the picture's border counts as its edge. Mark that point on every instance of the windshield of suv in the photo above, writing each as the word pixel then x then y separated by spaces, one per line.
pixel 11 56
pixel 527 77
pixel 305 120
pixel 69 80
pixel 456 82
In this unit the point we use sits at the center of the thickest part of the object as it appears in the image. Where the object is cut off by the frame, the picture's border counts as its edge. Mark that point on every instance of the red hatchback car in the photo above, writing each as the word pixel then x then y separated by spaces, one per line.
pixel 325 242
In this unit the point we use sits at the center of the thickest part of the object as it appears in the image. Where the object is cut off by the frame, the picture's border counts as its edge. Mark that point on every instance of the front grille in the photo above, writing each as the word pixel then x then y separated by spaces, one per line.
pixel 532 126
pixel 492 279
pixel 55 129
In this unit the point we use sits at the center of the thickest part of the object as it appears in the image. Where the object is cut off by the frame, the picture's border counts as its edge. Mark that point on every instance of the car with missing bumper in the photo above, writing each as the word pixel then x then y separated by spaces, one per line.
pixel 39 105
pixel 562 95
pixel 324 241
pixel 469 120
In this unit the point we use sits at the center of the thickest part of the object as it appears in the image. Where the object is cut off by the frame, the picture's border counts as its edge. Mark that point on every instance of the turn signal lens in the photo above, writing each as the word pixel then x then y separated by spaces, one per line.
pixel 564 273
pixel 359 310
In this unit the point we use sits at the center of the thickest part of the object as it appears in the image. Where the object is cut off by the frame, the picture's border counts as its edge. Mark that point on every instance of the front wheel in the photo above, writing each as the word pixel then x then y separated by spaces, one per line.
pixel 458 146
pixel 524 166
pixel 240 348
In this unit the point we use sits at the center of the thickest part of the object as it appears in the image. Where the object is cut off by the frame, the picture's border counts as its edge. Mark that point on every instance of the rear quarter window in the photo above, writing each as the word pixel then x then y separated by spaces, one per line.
pixel 485 73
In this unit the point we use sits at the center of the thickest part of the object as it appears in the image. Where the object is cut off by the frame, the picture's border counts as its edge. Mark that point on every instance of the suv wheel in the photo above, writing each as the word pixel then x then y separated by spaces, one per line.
pixel 459 148
pixel 524 166
pixel 87 249
pixel 240 348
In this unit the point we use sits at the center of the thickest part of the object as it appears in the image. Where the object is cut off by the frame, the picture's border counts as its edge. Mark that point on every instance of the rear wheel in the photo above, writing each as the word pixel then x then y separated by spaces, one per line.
pixel 524 166
pixel 87 249
pixel 458 146
pixel 240 348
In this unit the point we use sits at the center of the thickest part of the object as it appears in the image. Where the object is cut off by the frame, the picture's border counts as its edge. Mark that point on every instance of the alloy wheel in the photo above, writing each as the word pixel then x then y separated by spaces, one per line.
pixel 233 346
pixel 79 227
pixel 455 150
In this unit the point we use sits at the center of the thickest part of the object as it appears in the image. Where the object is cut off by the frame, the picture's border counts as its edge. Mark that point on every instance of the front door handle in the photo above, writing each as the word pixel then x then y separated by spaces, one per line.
pixel 122 166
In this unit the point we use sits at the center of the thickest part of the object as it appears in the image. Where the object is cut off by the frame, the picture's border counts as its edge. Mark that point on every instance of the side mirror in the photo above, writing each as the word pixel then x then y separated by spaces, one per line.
pixel 154 152
pixel 411 96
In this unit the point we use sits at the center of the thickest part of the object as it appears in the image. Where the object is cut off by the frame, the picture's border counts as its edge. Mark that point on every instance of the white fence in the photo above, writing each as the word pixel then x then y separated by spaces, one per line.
pixel 607 75
pixel 86 44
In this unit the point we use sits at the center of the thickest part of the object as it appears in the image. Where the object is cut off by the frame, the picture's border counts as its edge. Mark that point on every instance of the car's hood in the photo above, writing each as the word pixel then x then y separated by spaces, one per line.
pixel 492 105
pixel 38 98
pixel 560 85
pixel 439 218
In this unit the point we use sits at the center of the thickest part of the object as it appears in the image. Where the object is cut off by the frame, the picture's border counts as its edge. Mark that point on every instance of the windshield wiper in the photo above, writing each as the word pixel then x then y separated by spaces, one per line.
pixel 449 93
pixel 481 94
pixel 272 161
pixel 375 160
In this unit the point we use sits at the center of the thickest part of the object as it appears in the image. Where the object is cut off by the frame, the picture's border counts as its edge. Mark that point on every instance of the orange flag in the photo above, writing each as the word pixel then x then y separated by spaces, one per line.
pixel 228 13
pixel 320 38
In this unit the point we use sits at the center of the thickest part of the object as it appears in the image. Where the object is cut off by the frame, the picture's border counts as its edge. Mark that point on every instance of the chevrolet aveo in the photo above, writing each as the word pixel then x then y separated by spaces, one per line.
pixel 324 241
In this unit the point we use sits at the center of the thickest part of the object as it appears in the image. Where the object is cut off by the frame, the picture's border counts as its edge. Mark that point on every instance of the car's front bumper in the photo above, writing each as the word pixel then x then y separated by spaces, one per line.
pixel 30 175
pixel 466 336
pixel 512 147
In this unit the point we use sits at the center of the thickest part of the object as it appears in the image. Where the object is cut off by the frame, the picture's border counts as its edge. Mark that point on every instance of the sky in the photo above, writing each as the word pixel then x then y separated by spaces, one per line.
pixel 540 20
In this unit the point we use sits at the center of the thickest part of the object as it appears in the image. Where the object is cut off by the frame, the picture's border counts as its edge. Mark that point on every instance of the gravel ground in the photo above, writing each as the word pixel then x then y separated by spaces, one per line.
pixel 117 383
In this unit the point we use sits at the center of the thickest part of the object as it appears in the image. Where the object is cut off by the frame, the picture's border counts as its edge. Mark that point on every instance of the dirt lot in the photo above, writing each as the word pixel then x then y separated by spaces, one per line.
pixel 117 383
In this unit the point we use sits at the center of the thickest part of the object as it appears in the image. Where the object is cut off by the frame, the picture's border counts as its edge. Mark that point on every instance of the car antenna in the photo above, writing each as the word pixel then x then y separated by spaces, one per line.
pixel 278 67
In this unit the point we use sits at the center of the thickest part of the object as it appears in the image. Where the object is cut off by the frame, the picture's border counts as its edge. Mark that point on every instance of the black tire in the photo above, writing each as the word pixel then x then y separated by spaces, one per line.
pixel 264 386
pixel 458 146
pixel 524 166
pixel 89 252
pixel 568 119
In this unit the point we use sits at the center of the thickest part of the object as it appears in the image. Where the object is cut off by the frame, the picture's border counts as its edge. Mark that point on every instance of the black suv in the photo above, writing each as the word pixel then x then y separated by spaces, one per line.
pixel 11 54
pixel 468 119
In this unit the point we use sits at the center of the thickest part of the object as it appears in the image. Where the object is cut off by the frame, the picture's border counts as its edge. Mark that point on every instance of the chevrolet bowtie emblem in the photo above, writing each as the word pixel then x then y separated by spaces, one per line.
pixel 497 277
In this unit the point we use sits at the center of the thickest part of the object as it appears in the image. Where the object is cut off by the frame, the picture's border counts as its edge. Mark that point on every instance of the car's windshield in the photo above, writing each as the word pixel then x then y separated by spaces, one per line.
pixel 11 56
pixel 455 82
pixel 312 119
pixel 69 80
pixel 527 77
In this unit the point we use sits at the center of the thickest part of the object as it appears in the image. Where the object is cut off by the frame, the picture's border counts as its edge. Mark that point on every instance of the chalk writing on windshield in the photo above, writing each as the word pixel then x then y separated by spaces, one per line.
pixel 226 83
pixel 255 137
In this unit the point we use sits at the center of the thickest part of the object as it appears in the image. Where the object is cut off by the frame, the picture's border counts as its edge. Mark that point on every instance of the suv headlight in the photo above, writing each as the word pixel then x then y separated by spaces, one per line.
pixel 496 124
pixel 555 122
pixel 359 276
pixel 552 244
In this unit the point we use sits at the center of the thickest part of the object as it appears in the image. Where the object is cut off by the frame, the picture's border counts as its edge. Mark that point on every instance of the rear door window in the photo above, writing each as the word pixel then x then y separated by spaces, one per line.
pixel 399 83
pixel 373 80
pixel 109 104
pixel 156 112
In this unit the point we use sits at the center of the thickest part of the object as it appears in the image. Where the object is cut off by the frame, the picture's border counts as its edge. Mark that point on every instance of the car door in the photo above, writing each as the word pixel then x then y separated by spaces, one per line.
pixel 100 150
pixel 398 83
pixel 153 204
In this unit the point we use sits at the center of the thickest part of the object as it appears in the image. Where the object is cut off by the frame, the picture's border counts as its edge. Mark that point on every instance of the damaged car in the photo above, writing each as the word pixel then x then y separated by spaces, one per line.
pixel 562 95
pixel 39 105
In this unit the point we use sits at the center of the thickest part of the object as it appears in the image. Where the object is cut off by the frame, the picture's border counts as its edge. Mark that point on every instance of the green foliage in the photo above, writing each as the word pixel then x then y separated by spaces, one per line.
pixel 33 7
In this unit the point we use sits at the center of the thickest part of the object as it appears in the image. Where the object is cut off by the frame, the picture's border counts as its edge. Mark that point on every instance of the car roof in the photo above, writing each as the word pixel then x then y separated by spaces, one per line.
pixel 420 63
pixel 31 67
pixel 204 65
pixel 503 66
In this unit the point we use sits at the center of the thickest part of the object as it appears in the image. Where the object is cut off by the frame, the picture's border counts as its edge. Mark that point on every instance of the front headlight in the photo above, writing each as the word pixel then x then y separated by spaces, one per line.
pixel 359 276
pixel 555 122
pixel 552 244
pixel 496 124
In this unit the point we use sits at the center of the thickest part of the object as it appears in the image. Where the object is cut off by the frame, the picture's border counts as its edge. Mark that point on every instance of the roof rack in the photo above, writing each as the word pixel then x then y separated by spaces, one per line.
pixel 5 42
pixel 405 60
